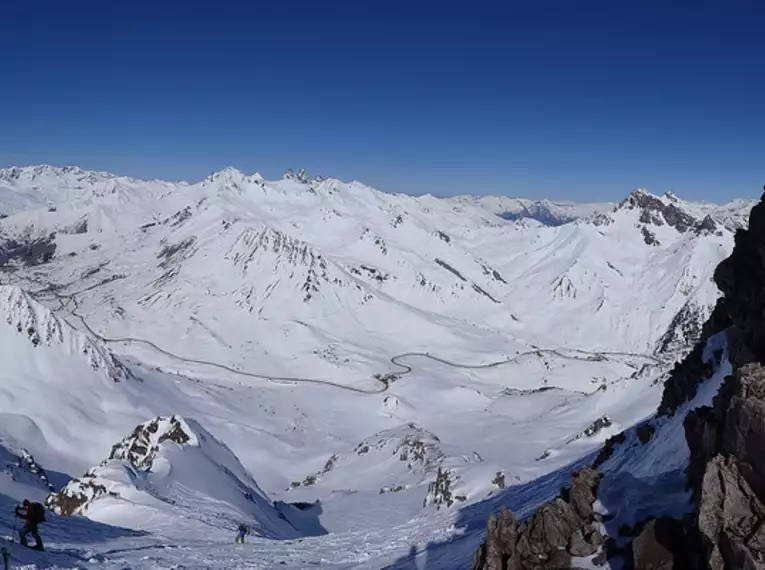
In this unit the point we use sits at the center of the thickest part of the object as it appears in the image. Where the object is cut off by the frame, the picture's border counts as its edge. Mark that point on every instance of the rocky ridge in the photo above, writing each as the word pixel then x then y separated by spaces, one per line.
pixel 137 451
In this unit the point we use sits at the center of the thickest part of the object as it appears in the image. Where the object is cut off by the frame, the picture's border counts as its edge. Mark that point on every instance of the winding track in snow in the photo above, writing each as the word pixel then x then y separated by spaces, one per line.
pixel 385 380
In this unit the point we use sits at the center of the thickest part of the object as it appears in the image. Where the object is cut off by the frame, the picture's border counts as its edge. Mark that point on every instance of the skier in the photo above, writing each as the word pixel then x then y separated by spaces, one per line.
pixel 33 514
pixel 241 532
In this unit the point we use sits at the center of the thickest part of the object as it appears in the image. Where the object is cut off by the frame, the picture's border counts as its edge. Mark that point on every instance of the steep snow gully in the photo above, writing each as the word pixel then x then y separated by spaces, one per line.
pixel 385 380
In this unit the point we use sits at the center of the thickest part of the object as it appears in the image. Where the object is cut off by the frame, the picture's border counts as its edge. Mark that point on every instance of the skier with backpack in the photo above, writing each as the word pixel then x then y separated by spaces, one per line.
pixel 241 532
pixel 33 514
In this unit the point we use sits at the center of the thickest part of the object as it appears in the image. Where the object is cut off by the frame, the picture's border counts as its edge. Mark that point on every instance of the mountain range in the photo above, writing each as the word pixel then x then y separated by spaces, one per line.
pixel 354 373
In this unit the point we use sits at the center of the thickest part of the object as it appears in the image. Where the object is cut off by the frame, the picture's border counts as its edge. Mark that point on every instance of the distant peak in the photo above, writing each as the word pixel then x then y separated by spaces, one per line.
pixel 301 176
pixel 657 210
pixel 228 174
pixel 641 198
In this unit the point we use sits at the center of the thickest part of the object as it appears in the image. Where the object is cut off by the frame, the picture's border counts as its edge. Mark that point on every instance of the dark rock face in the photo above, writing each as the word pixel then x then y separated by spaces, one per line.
pixel 558 530
pixel 707 225
pixel 727 471
pixel 741 278
pixel 649 237
pixel 683 382
pixel 661 545
pixel 683 331
pixel 686 376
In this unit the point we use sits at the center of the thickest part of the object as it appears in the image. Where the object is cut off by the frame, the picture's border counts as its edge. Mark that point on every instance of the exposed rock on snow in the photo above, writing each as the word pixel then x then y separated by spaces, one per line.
pixel 686 376
pixel 138 451
pixel 656 211
pixel 403 458
pixel 597 425
pixel 440 491
pixel 20 466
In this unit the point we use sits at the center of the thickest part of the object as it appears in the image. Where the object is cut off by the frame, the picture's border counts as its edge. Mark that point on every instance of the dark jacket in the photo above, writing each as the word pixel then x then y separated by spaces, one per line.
pixel 33 513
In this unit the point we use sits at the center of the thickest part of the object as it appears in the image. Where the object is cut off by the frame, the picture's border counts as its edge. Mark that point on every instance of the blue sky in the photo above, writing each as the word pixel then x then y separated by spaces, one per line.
pixel 544 98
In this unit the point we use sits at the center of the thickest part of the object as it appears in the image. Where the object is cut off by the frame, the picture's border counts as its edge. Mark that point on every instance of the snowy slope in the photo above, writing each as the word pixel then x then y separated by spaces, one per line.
pixel 302 321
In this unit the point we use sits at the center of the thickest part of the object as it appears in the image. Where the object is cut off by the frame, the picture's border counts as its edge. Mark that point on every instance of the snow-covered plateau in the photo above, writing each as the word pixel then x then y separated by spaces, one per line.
pixel 360 377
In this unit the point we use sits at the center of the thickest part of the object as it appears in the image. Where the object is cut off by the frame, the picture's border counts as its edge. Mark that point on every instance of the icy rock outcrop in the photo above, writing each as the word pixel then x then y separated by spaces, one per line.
pixel 686 376
pixel 140 448
pixel 399 459
pixel 440 491
pixel 21 467
pixel 558 530
pixel 172 467
pixel 414 447
pixel 300 176
pixel 138 451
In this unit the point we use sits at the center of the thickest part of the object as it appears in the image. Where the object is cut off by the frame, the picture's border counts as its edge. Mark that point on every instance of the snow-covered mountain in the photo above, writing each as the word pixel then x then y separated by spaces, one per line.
pixel 364 354
pixel 160 472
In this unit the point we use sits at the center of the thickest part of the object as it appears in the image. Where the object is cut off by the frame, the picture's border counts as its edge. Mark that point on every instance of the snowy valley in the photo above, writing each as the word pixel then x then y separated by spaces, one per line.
pixel 361 377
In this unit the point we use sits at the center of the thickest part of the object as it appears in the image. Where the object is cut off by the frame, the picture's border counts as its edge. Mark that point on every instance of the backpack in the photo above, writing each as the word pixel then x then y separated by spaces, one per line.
pixel 36 513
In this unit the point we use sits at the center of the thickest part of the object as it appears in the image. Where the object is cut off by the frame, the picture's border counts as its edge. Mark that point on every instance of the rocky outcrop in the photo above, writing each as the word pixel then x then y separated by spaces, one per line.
pixel 727 472
pixel 685 377
pixel 662 544
pixel 656 211
pixel 140 448
pixel 741 277
pixel 138 452
pixel 401 459
pixel 440 491
pixel 560 529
